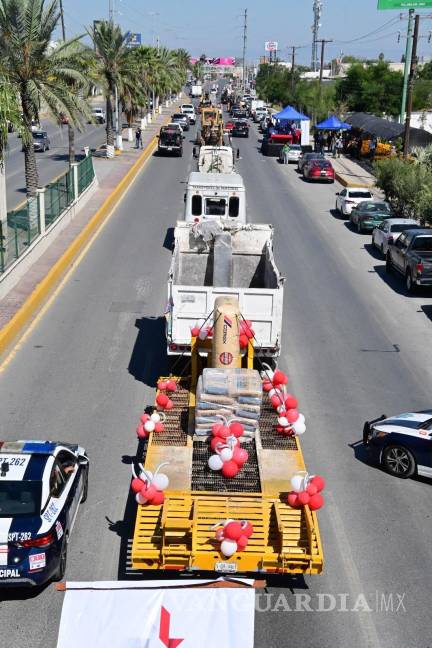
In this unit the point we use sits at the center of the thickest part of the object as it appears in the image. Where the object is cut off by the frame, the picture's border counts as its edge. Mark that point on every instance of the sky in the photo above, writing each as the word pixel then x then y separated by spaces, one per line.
pixel 216 27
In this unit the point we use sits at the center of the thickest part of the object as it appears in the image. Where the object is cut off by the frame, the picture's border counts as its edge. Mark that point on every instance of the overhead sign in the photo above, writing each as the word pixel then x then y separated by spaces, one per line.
pixel 404 4
pixel 271 46
pixel 146 615
pixel 134 40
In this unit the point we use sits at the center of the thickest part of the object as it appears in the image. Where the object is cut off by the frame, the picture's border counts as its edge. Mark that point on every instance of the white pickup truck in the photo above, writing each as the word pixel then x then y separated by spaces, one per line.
pixel 212 259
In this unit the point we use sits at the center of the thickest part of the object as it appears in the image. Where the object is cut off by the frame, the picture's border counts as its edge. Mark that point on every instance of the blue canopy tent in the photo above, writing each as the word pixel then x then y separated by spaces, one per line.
pixel 332 123
pixel 290 114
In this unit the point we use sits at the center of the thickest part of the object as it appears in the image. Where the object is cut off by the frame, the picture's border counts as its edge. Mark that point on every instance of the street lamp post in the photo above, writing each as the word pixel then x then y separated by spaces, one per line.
pixel 119 140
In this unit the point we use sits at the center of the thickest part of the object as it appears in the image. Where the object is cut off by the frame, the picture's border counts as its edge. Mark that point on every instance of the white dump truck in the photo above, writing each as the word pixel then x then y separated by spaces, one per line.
pixel 212 259
pixel 215 197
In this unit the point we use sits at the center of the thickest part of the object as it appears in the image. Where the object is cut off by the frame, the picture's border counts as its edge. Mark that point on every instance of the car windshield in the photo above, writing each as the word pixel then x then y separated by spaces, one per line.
pixel 313 156
pixel 360 194
pixel 295 147
pixel 179 116
pixel 20 498
pixel 38 135
pixel 422 244
pixel 400 227
pixel 321 164
pixel 375 207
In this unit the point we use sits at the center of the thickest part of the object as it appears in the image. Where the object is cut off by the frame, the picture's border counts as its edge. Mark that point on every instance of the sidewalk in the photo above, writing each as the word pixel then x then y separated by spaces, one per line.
pixel 351 173
pixel 109 173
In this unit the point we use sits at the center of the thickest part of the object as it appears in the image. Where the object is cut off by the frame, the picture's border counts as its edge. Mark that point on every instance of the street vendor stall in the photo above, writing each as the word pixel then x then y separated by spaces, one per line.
pixel 290 126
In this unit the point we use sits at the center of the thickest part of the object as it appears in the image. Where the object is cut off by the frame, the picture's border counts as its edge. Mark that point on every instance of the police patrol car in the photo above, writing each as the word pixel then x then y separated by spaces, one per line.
pixel 402 444
pixel 42 484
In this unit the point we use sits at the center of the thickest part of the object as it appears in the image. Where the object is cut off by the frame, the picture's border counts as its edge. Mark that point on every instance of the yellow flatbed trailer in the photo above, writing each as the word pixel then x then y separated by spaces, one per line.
pixel 178 534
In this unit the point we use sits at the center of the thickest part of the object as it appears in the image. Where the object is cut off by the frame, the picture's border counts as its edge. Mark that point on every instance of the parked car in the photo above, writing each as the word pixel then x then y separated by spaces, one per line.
pixel 41 141
pixel 319 170
pixel 240 129
pixel 229 125
pixel 306 157
pixel 189 110
pixel 180 118
pixel 390 230
pixel 411 256
pixel 293 154
pixel 369 214
pixel 98 115
pixel 402 444
pixel 350 197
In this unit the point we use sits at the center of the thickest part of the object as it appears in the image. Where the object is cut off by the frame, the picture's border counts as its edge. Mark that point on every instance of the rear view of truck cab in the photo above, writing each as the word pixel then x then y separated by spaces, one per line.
pixel 215 197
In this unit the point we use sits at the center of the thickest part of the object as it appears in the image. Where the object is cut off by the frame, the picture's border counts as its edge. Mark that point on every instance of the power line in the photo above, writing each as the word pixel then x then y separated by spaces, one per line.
pixel 378 29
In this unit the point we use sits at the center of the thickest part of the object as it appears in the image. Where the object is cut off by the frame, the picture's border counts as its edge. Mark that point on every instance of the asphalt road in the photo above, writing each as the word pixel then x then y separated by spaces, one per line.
pixel 354 345
pixel 52 163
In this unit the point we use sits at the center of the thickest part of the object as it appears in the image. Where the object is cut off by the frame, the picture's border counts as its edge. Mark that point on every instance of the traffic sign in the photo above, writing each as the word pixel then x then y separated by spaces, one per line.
pixel 404 4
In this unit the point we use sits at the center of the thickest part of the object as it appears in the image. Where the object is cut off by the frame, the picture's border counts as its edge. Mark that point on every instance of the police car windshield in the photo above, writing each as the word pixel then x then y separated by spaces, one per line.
pixel 19 498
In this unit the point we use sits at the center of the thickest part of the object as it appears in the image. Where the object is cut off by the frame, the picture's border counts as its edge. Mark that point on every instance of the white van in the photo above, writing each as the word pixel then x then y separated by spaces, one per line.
pixel 214 197
pixel 189 110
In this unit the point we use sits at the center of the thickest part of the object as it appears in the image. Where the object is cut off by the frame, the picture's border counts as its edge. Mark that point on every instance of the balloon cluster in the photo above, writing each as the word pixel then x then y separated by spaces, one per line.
pixel 233 535
pixel 163 400
pixel 150 423
pixel 202 332
pixel 149 487
pixel 306 490
pixel 228 456
pixel 246 333
pixel 290 421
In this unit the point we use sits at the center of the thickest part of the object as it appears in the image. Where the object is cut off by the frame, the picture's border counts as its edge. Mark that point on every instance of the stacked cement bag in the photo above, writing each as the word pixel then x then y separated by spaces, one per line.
pixel 231 393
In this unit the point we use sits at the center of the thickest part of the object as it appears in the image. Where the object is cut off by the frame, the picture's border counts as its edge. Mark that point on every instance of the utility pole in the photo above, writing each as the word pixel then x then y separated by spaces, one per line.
pixel 111 10
pixel 293 50
pixel 323 42
pixel 317 10
pixel 413 68
pixel 408 54
pixel 244 49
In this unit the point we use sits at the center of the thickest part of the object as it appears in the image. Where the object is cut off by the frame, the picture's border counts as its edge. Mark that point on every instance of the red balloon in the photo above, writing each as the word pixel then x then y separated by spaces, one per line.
pixel 161 385
pixel 236 429
pixel 292 415
pixel 137 484
pixel 240 456
pixel 249 333
pixel 267 385
pixel 195 331
pixel 230 469
pixel 210 332
pixel 144 418
pixel 279 378
pixel 247 528
pixel 303 498
pixel 141 433
pixel 158 498
pixel 233 530
pixel 316 502
pixel 291 402
pixel 215 441
pixel 280 429
pixel 242 543
pixel 169 405
pixel 171 385
pixel 311 489
pixel 216 427
pixel 318 482
pixel 148 492
pixel 293 499
pixel 276 400
pixel 162 400
pixel 224 431
pixel 244 341
pixel 159 427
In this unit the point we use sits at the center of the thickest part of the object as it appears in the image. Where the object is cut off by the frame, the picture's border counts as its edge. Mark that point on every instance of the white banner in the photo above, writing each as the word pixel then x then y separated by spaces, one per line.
pixel 305 132
pixel 190 617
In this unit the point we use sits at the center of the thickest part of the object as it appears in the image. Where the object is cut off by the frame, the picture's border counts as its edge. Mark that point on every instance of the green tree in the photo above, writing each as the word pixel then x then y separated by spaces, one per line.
pixel 40 74
pixel 372 88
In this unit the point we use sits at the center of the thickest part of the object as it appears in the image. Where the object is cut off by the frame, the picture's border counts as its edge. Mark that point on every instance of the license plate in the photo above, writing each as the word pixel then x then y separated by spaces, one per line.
pixel 226 567
pixel 169 148
pixel 323 173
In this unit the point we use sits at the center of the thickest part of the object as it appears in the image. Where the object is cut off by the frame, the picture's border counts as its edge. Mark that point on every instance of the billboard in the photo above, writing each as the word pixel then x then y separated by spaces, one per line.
pixel 404 4
pixel 271 46
pixel 134 40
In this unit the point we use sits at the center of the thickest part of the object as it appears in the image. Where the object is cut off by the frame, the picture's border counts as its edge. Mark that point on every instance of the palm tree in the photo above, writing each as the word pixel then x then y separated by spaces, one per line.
pixel 42 75
pixel 115 67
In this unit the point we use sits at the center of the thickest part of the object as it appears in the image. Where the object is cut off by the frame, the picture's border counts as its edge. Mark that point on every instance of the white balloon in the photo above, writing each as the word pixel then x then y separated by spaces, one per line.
pixel 140 499
pixel 147 476
pixel 202 334
pixel 301 418
pixel 215 462
pixel 280 409
pixel 228 547
pixel 299 427
pixel 160 482
pixel 155 417
pixel 298 483
pixel 149 426
pixel 274 392
pixel 283 421
pixel 226 454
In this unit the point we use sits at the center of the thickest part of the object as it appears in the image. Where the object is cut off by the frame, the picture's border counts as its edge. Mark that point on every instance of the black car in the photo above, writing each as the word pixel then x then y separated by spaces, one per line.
pixel 183 120
pixel 170 141
pixel 240 129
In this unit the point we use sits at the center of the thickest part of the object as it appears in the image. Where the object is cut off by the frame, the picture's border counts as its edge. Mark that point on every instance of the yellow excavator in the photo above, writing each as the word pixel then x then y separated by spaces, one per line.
pixel 179 533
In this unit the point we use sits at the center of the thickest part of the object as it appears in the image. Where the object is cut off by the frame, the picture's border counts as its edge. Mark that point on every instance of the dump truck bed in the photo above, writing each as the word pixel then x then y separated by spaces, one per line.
pixel 178 535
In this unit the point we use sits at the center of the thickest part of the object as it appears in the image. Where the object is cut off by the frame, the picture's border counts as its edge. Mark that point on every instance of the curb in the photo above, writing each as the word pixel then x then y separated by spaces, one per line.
pixel 9 333
pixel 340 177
